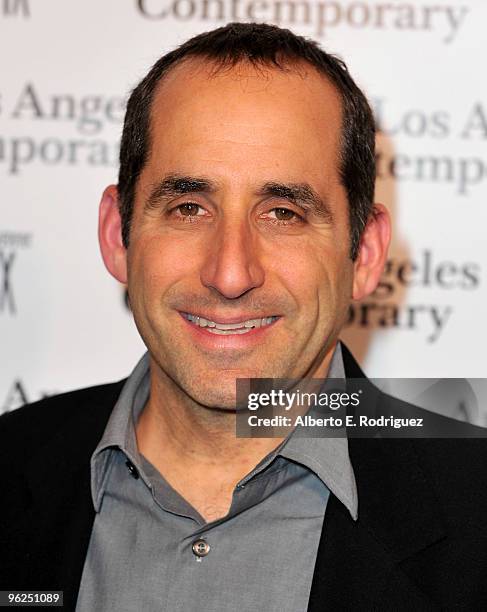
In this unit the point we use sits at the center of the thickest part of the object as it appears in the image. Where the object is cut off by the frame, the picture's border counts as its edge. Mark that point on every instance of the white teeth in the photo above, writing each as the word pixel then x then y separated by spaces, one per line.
pixel 224 328
pixel 227 325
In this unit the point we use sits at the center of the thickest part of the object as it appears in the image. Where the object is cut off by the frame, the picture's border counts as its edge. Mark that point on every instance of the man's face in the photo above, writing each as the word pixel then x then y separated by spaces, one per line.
pixel 240 219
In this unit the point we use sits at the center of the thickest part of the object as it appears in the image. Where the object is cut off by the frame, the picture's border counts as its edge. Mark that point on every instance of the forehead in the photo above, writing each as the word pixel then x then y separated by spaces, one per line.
pixel 290 115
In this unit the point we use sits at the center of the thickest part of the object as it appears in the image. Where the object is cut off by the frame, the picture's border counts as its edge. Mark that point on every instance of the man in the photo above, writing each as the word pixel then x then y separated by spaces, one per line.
pixel 243 225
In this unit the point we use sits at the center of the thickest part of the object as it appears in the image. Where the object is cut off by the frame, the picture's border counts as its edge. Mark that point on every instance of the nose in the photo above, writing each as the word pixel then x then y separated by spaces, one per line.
pixel 232 265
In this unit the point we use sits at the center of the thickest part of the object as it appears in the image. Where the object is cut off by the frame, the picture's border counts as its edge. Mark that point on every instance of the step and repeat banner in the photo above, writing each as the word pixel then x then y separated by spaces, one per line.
pixel 66 70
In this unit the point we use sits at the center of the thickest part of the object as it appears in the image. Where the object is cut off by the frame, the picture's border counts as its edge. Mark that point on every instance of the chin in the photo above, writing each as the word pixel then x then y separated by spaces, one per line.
pixel 217 390
pixel 217 399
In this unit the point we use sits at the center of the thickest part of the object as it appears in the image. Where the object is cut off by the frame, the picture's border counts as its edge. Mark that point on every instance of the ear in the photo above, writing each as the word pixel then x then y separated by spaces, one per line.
pixel 372 255
pixel 110 235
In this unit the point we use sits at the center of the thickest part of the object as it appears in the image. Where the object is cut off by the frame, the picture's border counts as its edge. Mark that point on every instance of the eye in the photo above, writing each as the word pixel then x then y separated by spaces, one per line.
pixel 189 209
pixel 283 214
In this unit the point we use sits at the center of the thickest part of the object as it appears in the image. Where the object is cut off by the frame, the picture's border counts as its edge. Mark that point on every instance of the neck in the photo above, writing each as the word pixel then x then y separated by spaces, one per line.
pixel 195 447
pixel 175 430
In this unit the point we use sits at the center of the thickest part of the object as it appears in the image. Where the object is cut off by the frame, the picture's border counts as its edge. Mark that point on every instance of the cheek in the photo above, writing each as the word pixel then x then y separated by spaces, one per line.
pixel 312 270
pixel 156 264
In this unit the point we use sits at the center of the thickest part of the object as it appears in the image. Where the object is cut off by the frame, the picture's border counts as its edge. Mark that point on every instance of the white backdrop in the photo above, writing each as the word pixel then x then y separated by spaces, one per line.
pixel 66 70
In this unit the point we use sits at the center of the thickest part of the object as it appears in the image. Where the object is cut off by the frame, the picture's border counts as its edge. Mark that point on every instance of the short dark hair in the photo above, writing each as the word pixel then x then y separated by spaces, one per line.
pixel 260 44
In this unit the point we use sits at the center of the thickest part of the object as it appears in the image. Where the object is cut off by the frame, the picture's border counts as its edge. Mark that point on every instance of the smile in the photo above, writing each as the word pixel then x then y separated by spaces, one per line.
pixel 226 329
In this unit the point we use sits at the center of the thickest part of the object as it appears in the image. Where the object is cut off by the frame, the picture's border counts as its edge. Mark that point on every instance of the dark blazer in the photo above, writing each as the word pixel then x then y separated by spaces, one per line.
pixel 420 542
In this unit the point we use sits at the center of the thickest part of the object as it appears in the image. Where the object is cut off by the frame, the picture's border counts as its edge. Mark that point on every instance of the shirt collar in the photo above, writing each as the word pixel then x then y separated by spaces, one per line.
pixel 328 458
pixel 120 430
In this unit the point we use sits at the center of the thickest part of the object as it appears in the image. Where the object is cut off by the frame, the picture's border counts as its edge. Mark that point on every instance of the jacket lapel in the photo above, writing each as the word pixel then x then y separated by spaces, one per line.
pixel 62 504
pixel 358 564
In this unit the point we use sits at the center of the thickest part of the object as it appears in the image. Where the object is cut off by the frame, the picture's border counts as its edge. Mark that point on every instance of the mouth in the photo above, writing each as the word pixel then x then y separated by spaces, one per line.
pixel 236 327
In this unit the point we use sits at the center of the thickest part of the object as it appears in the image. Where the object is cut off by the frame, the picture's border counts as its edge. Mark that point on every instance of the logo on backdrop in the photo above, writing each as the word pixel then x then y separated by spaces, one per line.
pixel 388 307
pixel 79 123
pixel 320 17
pixel 423 129
pixel 14 8
pixel 10 245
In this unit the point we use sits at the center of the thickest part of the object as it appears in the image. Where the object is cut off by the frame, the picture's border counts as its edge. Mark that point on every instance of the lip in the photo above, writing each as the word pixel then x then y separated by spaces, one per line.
pixel 208 340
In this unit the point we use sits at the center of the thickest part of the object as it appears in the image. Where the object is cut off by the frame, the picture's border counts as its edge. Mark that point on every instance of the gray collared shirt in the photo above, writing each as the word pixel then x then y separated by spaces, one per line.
pixel 261 554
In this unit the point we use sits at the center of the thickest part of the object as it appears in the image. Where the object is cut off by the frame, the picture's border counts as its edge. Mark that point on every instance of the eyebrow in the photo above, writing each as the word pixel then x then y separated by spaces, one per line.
pixel 175 185
pixel 300 194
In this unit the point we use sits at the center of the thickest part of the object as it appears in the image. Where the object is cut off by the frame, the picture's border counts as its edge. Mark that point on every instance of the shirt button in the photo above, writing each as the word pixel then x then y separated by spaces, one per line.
pixel 201 548
pixel 132 469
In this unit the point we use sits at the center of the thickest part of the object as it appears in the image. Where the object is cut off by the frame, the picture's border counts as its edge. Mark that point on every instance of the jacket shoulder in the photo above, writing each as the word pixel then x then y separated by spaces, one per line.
pixel 25 429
